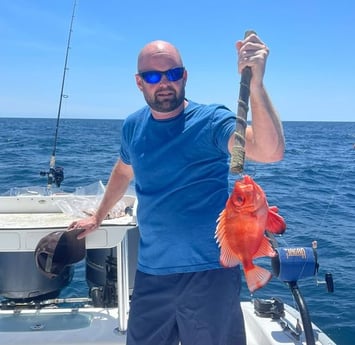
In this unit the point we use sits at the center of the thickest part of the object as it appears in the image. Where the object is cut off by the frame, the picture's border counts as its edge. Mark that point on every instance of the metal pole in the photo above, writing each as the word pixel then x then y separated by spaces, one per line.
pixel 122 284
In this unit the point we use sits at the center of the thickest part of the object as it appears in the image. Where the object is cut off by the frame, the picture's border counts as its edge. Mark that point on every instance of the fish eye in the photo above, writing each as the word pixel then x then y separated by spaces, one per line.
pixel 239 200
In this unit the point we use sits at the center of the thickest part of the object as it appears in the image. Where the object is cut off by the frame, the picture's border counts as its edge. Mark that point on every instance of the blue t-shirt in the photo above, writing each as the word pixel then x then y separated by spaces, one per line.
pixel 181 178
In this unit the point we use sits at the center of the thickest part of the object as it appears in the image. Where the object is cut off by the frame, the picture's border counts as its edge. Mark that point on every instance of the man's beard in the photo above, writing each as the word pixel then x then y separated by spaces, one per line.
pixel 168 104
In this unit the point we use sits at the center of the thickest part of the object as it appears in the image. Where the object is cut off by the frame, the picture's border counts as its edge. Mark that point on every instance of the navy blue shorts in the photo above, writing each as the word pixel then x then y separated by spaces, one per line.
pixel 200 308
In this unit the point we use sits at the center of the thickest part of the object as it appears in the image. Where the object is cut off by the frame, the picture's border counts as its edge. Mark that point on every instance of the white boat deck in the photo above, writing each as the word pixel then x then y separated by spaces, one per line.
pixel 99 326
pixel 61 326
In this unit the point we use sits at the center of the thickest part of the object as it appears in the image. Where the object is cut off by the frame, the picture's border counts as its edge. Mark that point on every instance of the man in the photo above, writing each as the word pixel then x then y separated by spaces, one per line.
pixel 178 153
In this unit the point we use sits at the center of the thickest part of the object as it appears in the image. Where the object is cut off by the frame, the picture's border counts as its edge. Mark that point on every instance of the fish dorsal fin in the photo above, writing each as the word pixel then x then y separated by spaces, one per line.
pixel 265 249
pixel 275 223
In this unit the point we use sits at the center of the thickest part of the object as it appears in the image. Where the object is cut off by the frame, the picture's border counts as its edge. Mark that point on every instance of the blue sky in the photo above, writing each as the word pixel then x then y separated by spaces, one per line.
pixel 310 71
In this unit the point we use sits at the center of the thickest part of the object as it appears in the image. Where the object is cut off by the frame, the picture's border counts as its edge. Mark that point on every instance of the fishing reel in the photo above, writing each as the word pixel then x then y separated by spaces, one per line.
pixel 292 264
pixel 55 175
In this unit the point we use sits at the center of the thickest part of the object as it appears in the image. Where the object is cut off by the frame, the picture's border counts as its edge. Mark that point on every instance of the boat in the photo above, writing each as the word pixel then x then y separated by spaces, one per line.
pixel 32 310
pixel 35 314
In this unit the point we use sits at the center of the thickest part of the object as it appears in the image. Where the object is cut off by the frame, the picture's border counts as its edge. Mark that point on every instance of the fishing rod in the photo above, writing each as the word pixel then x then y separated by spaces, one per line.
pixel 238 150
pixel 56 174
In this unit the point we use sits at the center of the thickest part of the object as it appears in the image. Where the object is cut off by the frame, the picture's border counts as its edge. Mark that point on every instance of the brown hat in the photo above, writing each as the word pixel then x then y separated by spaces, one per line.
pixel 57 250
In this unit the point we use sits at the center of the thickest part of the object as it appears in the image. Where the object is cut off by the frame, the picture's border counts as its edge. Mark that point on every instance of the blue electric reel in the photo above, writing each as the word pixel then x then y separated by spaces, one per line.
pixel 291 264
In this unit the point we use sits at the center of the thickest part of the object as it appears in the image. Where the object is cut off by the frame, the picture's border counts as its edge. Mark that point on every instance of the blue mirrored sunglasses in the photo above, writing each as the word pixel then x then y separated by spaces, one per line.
pixel 153 77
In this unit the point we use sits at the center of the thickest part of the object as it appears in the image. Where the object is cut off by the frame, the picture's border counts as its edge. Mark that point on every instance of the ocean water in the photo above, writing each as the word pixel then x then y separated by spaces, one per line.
pixel 314 188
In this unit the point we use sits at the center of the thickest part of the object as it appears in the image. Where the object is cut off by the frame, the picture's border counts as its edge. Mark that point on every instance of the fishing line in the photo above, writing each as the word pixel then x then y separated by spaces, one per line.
pixel 331 201
pixel 334 193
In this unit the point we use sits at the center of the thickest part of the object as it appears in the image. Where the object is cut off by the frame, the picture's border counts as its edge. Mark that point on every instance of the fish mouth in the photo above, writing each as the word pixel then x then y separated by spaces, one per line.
pixel 253 197
pixel 248 179
pixel 247 185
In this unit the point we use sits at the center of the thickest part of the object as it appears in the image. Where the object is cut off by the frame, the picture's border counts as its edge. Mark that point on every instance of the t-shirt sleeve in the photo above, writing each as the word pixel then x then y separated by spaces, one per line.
pixel 223 126
pixel 124 149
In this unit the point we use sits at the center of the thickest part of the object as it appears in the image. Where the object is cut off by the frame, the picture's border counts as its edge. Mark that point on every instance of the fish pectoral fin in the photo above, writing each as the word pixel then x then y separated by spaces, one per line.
pixel 228 258
pixel 265 249
pixel 257 277
pixel 275 223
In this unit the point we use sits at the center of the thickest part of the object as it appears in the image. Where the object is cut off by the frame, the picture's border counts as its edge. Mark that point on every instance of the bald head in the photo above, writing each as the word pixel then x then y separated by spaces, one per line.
pixel 158 55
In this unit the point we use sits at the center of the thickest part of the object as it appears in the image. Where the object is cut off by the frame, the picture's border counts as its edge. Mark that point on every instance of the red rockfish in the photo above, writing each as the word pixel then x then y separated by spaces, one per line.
pixel 241 231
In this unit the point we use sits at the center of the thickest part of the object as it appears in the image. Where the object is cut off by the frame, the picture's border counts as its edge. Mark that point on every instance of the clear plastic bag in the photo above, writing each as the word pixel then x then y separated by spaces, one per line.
pixel 86 200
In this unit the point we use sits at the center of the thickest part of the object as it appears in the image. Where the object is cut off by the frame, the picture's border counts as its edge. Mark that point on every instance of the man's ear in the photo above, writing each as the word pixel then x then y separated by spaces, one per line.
pixel 185 77
pixel 139 82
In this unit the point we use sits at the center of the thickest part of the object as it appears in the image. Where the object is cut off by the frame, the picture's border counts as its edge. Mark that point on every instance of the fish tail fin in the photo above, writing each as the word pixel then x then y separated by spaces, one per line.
pixel 257 277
